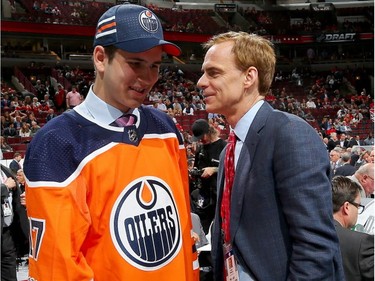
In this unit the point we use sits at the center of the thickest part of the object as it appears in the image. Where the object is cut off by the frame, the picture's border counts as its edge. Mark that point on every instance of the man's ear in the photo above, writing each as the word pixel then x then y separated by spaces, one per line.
pixel 345 208
pixel 99 58
pixel 251 76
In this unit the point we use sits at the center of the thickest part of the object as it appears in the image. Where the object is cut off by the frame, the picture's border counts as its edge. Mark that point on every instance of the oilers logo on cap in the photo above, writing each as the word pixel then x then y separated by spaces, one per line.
pixel 148 21
pixel 144 224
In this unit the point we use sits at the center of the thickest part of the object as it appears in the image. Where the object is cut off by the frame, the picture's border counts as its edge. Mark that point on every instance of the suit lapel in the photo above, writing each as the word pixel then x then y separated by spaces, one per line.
pixel 244 165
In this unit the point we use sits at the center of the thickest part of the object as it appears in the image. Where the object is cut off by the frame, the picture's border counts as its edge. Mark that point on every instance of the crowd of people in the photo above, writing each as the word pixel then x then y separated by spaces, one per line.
pixel 254 19
pixel 181 20
pixel 177 94
pixel 274 167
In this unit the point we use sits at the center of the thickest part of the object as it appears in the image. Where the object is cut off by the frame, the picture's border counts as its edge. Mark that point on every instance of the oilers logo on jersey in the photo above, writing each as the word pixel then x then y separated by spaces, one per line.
pixel 145 225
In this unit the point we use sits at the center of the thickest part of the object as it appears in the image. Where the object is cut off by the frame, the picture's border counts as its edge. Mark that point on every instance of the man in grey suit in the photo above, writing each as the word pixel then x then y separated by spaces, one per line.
pixel 280 222
pixel 345 169
pixel 357 249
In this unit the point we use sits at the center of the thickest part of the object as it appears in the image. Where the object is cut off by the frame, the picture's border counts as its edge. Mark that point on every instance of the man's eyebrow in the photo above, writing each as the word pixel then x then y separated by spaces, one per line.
pixel 143 60
pixel 212 69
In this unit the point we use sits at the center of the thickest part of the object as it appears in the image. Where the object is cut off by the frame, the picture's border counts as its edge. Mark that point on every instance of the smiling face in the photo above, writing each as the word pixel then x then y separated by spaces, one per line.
pixel 238 70
pixel 222 81
pixel 125 80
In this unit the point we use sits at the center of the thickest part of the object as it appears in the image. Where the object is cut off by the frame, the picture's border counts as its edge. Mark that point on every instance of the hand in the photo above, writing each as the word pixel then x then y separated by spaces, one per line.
pixel 195 237
pixel 23 199
pixel 208 172
pixel 10 183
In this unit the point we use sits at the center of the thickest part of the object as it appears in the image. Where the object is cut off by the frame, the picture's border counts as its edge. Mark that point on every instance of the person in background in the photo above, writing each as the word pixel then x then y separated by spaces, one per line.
pixel 188 109
pixel 21 180
pixel 10 131
pixel 199 234
pixel 19 113
pixel 372 158
pixel 344 143
pixel 73 98
pixel 357 249
pixel 18 123
pixel 43 108
pixel 48 101
pixel 25 130
pixel 59 98
pixel 205 263
pixel 5 147
pixel 35 104
pixel 355 141
pixel 369 140
pixel 346 169
pixel 30 118
pixel 363 159
pixel 15 165
pixel 161 105
pixel 51 114
pixel 204 172
pixel 112 197
pixel 335 159
pixel 333 141
pixel 34 128
pixel 263 227
pixel 356 152
pixel 364 177
pixel 8 119
pixel 14 225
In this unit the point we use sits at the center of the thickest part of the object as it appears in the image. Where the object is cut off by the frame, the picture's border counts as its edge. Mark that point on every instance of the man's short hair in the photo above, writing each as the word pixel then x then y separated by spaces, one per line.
pixel 343 190
pixel 346 156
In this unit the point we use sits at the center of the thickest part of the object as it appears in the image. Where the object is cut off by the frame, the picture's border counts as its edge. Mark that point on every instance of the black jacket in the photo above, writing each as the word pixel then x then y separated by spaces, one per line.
pixel 345 170
pixel 357 250
pixel 20 225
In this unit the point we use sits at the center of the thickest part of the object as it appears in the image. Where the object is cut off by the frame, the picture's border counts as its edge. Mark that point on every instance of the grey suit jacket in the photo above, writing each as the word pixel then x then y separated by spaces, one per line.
pixel 281 222
pixel 357 250
pixel 198 229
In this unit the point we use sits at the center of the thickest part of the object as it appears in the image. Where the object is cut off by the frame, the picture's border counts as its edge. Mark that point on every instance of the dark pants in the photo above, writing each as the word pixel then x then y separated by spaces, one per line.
pixel 8 257
pixel 205 263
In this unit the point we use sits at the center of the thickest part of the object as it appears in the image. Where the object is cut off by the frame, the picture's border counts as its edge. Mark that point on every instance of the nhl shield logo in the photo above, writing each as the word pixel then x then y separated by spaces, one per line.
pixel 133 137
pixel 144 224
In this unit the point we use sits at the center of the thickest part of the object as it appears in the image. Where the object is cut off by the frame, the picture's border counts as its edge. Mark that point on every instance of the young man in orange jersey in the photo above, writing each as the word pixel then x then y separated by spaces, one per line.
pixel 106 200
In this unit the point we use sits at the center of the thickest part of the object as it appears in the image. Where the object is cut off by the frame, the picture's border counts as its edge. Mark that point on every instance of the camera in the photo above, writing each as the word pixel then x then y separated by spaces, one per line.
pixel 195 177
pixel 195 172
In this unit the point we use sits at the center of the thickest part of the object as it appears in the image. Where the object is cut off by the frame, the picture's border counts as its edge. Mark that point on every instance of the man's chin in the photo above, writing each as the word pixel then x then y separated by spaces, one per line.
pixel 211 109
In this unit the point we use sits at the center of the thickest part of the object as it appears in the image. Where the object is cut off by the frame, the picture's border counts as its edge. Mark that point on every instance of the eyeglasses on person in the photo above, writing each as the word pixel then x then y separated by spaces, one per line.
pixel 360 207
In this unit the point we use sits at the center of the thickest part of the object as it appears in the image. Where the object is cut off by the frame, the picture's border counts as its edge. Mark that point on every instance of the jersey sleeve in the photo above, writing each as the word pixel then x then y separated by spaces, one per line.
pixel 59 221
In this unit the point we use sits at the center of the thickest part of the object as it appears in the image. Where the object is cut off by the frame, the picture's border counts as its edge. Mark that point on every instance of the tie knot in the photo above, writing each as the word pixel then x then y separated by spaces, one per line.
pixel 232 137
pixel 126 120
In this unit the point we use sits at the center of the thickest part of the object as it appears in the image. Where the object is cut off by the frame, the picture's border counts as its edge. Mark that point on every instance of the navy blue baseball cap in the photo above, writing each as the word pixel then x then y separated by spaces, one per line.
pixel 132 28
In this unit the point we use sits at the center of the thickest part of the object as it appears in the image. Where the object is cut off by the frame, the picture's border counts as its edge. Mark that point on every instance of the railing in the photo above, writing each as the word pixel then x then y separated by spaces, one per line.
pixel 61 79
pixel 24 80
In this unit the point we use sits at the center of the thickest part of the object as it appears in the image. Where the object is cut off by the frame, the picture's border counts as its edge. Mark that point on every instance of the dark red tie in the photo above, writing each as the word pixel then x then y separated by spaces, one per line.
pixel 126 120
pixel 229 177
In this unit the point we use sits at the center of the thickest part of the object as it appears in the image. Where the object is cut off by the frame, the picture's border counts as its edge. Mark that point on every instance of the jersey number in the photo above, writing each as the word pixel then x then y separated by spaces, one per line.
pixel 37 229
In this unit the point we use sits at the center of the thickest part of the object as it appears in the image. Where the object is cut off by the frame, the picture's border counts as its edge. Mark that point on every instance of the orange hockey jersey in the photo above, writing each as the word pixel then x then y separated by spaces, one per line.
pixel 108 203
